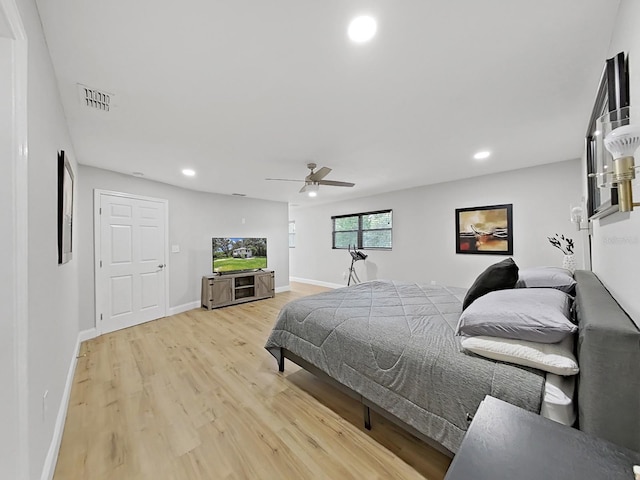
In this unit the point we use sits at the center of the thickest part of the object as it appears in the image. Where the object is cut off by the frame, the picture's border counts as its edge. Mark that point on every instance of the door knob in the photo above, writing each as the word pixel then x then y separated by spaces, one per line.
pixel 162 265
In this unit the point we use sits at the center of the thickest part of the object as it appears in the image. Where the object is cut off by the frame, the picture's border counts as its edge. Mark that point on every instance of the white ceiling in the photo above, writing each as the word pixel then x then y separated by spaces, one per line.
pixel 247 89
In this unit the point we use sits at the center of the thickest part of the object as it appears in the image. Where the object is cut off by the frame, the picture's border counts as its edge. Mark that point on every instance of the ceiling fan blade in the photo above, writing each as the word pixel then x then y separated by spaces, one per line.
pixel 303 189
pixel 320 174
pixel 284 179
pixel 334 183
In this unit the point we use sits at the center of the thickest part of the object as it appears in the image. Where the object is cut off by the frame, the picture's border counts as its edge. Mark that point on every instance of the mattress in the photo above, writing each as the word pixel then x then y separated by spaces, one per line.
pixel 394 343
pixel 558 404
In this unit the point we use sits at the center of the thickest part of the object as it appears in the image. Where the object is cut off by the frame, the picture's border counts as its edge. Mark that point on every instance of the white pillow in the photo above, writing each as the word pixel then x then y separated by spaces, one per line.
pixel 558 404
pixel 555 358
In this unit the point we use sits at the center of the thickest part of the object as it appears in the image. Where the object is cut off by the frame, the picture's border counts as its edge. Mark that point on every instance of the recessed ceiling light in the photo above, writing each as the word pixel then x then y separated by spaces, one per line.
pixel 362 29
pixel 482 155
pixel 188 172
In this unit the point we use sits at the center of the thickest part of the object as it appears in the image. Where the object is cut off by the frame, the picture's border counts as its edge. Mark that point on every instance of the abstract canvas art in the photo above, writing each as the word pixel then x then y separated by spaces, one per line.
pixel 485 230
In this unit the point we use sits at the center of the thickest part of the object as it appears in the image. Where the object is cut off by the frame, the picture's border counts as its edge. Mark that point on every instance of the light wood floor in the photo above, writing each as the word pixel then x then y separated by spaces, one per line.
pixel 196 396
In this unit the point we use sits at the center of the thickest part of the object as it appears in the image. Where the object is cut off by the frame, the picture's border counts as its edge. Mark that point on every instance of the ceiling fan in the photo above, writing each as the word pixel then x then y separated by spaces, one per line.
pixel 313 181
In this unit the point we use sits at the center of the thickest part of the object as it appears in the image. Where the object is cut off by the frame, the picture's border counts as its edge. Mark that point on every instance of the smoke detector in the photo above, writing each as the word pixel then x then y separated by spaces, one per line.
pixel 94 98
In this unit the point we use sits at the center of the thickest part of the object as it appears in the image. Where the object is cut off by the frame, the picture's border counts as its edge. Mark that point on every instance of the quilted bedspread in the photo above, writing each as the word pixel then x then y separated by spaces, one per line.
pixel 394 344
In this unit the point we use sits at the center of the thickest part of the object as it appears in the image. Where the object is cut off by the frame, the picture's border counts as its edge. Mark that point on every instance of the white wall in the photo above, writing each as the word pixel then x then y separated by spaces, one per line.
pixel 194 218
pixel 9 377
pixel 53 288
pixel 616 238
pixel 424 227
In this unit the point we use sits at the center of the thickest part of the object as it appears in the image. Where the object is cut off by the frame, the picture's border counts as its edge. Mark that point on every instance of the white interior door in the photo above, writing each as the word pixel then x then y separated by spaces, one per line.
pixel 131 279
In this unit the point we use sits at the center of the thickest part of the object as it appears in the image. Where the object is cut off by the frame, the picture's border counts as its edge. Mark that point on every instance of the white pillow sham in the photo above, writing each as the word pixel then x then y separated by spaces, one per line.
pixel 555 358
pixel 558 403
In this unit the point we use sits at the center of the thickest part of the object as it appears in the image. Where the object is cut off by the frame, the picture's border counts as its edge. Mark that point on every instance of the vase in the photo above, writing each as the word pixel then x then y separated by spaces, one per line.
pixel 569 262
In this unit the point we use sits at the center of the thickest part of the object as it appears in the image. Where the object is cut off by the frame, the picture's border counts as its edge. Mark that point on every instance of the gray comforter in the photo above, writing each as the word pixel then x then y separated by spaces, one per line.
pixel 394 344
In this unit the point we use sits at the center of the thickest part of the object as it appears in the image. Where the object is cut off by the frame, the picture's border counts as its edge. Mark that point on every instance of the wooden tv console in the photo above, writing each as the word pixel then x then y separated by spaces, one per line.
pixel 233 288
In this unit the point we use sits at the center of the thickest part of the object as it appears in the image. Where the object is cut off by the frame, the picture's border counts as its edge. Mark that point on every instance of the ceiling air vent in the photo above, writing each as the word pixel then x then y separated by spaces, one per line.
pixel 93 98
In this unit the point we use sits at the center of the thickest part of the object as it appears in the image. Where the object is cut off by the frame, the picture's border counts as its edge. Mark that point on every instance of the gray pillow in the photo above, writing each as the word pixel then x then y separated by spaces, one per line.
pixel 531 314
pixel 547 277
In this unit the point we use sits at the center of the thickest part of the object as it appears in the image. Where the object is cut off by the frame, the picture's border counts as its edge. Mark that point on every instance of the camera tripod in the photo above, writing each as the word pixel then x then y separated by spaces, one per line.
pixel 355 256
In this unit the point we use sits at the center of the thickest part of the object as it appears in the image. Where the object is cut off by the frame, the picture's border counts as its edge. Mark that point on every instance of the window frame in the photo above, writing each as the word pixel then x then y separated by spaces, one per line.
pixel 360 230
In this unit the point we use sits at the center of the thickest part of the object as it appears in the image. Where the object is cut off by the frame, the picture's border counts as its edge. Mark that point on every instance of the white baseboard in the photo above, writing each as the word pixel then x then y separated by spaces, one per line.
pixel 286 288
pixel 316 282
pixel 185 307
pixel 85 335
pixel 52 455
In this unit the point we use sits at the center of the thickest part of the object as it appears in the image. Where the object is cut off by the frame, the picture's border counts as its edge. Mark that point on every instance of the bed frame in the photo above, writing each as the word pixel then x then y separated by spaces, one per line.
pixel 367 404
pixel 608 351
pixel 609 357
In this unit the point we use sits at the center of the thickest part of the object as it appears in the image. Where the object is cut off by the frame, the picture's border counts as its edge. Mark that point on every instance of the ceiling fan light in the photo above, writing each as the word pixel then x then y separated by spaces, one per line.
pixel 312 189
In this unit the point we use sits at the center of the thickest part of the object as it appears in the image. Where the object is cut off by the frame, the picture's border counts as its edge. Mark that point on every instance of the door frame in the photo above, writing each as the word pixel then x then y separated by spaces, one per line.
pixel 18 180
pixel 97 248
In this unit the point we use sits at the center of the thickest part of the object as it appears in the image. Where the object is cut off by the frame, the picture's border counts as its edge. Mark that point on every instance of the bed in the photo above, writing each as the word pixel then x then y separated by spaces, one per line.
pixel 392 346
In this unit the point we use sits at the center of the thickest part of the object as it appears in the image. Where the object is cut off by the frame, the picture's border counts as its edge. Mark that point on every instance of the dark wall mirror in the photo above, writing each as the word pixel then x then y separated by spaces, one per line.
pixel 613 94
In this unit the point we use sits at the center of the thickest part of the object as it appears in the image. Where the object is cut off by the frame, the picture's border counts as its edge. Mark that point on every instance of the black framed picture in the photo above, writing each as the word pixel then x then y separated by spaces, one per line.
pixel 65 208
pixel 485 230
pixel 613 94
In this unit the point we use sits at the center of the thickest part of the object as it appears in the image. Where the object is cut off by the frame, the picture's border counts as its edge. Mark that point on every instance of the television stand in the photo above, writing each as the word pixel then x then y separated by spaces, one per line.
pixel 233 288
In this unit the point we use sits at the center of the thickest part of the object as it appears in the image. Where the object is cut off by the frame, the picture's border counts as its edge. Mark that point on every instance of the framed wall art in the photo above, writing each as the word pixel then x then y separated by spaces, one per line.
pixel 485 230
pixel 65 208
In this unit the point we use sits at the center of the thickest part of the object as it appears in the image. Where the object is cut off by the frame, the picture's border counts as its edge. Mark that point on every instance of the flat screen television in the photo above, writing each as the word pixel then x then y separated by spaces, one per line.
pixel 238 254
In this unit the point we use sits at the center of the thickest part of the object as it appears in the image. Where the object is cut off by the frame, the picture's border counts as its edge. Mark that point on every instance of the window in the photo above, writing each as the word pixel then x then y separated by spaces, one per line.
pixel 363 230
pixel 292 234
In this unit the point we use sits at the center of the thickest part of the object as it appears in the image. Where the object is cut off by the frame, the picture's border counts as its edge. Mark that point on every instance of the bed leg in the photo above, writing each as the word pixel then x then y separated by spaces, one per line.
pixel 367 417
pixel 281 361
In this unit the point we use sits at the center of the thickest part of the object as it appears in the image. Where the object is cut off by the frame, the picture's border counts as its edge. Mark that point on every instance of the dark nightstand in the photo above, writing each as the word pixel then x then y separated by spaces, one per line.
pixel 507 442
